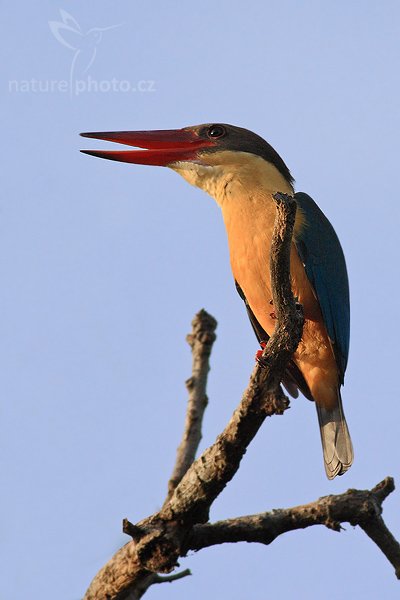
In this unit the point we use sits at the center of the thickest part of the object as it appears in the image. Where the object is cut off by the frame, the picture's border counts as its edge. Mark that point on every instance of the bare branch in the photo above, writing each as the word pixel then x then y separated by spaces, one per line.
pixel 201 341
pixel 357 507
pixel 263 397
pixel 159 540
pixel 169 578
pixel 136 592
pixel 130 529
pixel 208 476
pixel 163 534
pixel 376 529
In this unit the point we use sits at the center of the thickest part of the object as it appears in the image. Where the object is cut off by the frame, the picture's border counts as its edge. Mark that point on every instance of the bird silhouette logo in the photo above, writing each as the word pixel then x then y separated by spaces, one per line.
pixel 82 43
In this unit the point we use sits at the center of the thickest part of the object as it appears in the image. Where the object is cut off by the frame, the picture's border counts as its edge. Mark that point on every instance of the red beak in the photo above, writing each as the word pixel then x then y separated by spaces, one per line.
pixel 163 147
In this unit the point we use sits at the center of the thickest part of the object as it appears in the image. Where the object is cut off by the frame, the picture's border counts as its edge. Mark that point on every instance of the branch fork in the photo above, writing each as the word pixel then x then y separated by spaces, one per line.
pixel 182 523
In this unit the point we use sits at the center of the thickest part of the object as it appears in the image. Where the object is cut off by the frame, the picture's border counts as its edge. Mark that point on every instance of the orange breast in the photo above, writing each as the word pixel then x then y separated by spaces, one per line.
pixel 249 237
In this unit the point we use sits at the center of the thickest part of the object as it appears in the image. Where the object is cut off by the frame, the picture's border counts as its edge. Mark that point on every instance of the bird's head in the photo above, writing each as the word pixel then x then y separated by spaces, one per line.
pixel 208 156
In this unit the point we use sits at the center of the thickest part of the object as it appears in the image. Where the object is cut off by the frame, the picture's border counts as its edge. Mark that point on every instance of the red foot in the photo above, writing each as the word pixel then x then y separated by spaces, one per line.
pixel 259 353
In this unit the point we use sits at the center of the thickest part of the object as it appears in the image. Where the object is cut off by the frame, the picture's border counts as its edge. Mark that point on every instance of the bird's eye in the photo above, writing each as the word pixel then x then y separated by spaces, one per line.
pixel 216 131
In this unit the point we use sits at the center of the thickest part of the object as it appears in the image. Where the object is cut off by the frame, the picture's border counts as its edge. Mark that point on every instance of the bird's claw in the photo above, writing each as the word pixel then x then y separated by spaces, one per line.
pixel 259 355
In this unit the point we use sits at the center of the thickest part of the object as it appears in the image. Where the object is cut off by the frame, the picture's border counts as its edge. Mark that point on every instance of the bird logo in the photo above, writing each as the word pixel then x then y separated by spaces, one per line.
pixel 82 43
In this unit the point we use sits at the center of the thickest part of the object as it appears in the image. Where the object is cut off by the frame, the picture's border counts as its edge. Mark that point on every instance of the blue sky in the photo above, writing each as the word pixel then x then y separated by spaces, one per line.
pixel 104 264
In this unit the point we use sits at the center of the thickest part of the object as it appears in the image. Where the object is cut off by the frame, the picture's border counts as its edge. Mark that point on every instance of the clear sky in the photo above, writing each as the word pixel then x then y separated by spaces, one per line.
pixel 102 266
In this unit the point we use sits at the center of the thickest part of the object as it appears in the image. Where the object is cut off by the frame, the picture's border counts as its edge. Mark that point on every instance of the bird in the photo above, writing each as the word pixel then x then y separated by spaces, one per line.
pixel 242 172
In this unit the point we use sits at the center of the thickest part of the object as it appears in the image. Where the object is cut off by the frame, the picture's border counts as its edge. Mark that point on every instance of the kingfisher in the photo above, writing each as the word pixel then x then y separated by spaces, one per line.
pixel 242 172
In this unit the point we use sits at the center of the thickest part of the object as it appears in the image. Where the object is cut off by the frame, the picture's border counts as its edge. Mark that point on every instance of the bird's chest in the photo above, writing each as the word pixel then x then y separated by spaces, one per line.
pixel 249 227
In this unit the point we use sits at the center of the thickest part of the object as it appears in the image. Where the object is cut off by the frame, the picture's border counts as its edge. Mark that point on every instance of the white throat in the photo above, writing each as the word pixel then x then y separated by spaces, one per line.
pixel 226 175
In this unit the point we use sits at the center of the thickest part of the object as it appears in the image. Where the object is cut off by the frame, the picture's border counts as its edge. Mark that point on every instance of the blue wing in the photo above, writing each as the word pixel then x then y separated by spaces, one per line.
pixel 322 255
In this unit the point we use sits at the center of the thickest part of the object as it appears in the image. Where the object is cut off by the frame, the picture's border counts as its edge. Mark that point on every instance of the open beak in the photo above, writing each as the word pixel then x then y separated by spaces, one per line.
pixel 163 147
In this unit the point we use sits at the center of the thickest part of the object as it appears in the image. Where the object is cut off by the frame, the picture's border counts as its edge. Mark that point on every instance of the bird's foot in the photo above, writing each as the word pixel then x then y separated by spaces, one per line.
pixel 259 354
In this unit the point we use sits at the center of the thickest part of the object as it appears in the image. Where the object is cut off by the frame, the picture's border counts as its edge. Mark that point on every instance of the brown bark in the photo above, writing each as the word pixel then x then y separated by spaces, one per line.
pixel 201 341
pixel 357 507
pixel 159 540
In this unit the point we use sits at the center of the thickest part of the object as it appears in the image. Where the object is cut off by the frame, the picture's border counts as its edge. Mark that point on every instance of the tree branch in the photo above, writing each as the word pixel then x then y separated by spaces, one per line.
pixel 376 529
pixel 170 578
pixel 357 507
pixel 136 592
pixel 159 540
pixel 159 547
pixel 201 341
pixel 208 476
